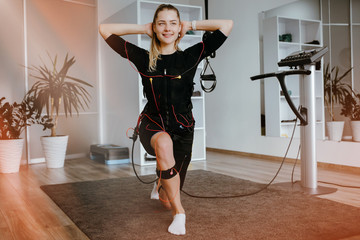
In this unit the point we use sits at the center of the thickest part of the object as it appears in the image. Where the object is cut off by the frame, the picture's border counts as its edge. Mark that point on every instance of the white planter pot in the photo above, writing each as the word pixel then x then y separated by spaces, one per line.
pixel 54 149
pixel 10 155
pixel 335 130
pixel 355 128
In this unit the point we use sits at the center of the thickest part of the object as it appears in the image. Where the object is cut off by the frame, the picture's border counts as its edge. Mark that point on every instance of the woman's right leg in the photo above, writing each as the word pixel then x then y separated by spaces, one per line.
pixel 163 146
pixel 170 181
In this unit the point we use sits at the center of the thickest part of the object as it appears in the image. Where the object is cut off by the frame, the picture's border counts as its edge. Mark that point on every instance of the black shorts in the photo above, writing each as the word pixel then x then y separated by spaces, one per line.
pixel 182 138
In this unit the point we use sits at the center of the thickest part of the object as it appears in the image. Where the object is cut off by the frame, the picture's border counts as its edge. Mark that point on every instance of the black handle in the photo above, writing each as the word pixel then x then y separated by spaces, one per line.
pixel 281 73
pixel 302 115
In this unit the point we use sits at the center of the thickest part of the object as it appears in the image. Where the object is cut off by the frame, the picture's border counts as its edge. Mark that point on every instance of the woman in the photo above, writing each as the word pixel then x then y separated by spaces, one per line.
pixel 167 124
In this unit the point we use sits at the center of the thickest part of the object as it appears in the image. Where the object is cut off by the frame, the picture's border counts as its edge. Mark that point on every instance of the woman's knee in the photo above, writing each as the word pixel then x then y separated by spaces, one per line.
pixel 163 146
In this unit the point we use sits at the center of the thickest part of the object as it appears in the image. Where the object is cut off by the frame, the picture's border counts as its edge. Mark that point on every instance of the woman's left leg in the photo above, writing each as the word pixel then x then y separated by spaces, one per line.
pixel 182 153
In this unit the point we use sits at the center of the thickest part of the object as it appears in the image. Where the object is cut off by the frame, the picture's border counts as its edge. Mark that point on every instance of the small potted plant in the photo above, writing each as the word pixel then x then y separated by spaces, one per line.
pixel 14 118
pixel 351 109
pixel 335 92
pixel 55 88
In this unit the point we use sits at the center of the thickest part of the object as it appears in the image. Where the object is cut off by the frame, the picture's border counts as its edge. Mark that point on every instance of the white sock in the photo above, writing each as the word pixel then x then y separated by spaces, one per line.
pixel 177 226
pixel 154 193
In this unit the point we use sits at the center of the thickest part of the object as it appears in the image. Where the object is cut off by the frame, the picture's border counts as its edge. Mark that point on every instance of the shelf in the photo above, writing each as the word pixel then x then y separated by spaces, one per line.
pixel 283 97
pixel 196 36
pixel 297 97
pixel 298 122
pixel 309 46
pixel 187 12
pixel 276 107
pixel 288 44
pixel 288 123
pixel 289 26
pixel 310 31
pixel 197 98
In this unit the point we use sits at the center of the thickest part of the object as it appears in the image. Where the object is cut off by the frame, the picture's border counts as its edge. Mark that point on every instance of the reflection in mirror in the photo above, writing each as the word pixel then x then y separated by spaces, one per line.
pixel 340 31
pixel 284 30
pixel 339 28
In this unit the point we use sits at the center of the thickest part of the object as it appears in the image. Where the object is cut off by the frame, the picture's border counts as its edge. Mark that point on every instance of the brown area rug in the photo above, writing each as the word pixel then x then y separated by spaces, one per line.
pixel 121 209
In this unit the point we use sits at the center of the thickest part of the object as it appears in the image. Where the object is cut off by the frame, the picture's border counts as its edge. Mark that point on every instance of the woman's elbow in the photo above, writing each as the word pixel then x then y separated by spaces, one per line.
pixel 103 32
pixel 228 27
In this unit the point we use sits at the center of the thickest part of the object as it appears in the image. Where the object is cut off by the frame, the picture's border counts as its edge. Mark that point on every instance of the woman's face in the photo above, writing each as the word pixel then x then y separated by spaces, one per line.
pixel 167 26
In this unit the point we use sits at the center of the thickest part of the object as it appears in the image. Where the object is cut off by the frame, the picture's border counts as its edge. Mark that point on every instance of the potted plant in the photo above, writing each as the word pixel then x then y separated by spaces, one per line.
pixel 14 118
pixel 351 109
pixel 335 92
pixel 55 88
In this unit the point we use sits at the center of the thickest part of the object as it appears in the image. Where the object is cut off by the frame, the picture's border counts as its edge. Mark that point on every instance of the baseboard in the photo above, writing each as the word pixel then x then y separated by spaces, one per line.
pixel 67 157
pixel 76 155
pixel 329 166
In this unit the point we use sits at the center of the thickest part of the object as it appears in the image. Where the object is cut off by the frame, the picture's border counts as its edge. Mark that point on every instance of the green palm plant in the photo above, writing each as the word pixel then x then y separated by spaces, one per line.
pixel 55 87
pixel 335 90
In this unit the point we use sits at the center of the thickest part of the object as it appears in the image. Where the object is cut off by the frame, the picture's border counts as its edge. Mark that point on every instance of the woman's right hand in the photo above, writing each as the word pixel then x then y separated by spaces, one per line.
pixel 149 29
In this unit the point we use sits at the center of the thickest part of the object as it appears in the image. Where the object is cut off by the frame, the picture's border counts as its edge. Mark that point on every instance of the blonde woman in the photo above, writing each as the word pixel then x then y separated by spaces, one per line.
pixel 166 123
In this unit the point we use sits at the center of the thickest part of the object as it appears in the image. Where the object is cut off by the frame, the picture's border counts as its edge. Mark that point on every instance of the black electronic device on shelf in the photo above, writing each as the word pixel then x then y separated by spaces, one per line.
pixel 304 57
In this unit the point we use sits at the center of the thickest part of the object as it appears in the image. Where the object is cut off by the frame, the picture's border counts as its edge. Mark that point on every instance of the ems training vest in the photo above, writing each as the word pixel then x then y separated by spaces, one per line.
pixel 169 88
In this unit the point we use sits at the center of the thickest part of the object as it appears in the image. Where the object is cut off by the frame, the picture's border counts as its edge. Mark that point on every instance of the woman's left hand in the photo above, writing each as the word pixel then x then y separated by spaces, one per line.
pixel 185 26
pixel 149 29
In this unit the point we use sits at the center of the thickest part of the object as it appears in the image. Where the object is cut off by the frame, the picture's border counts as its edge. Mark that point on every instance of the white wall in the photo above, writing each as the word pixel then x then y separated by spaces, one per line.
pixel 107 8
pixel 12 50
pixel 304 9
pixel 233 109
pixel 57 27
pixel 60 27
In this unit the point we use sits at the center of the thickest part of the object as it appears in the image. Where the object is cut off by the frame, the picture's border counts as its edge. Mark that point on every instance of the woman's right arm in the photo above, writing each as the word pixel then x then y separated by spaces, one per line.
pixel 120 29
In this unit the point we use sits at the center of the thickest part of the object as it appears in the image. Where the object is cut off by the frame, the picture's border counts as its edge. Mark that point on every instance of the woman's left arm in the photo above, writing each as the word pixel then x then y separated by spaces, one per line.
pixel 225 26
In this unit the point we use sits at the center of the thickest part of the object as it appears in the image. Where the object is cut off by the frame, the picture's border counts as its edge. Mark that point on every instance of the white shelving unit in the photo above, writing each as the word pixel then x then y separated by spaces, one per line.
pixel 142 12
pixel 277 112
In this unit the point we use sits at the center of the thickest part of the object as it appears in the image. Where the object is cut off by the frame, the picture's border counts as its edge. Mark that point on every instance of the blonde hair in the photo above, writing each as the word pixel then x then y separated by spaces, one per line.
pixel 154 53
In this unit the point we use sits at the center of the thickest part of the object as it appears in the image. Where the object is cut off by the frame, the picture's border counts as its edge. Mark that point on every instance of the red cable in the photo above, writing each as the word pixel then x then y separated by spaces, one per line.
pixel 183 117
pixel 155 122
pixel 152 88
pixel 127 56
pixel 172 76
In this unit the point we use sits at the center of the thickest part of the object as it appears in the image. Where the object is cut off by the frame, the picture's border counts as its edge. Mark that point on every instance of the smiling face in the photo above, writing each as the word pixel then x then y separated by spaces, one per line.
pixel 167 27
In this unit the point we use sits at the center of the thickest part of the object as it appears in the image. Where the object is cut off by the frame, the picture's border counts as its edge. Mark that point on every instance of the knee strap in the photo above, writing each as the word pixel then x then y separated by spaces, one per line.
pixel 167 174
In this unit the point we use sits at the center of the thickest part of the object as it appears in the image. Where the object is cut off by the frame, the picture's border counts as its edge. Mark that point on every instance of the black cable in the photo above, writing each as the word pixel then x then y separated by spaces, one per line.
pixel 261 189
pixel 292 173
pixel 335 184
pixel 134 137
